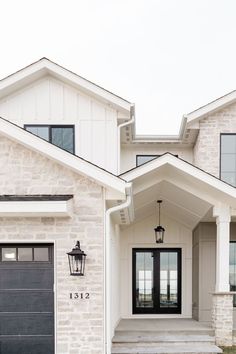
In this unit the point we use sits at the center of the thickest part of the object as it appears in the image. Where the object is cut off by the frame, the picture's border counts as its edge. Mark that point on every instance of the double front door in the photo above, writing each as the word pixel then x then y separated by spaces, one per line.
pixel 157 281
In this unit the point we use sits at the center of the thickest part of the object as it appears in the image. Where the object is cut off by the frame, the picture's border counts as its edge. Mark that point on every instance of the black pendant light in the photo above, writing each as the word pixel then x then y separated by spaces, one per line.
pixel 159 230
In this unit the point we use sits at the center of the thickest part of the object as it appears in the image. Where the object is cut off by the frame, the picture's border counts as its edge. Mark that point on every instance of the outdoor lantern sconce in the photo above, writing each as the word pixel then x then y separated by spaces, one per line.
pixel 159 230
pixel 76 260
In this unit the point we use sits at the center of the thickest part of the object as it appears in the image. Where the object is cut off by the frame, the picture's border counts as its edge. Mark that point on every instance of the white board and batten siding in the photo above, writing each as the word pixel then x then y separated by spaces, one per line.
pixel 50 101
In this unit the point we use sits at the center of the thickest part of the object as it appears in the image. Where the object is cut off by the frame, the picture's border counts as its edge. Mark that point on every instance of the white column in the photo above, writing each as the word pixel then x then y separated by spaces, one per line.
pixel 222 214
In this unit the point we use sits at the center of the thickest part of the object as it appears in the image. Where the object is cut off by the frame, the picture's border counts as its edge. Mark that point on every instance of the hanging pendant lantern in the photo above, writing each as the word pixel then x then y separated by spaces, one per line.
pixel 159 230
pixel 76 259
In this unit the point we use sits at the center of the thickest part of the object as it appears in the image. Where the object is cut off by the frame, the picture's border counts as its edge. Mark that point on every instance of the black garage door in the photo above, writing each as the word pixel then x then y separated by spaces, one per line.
pixel 26 299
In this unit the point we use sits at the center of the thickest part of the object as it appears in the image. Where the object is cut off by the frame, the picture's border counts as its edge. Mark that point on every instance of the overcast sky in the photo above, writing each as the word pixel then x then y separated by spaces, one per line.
pixel 169 57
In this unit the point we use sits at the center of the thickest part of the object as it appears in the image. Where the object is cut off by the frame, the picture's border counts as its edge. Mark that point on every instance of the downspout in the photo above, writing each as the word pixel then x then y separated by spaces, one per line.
pixel 131 121
pixel 126 204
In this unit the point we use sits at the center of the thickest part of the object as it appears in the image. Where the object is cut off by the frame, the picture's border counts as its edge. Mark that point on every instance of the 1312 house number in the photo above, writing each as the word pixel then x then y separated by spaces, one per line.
pixel 79 296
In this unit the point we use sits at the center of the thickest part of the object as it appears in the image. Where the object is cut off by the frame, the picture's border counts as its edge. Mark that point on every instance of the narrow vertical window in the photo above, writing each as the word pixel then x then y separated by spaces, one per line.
pixel 228 158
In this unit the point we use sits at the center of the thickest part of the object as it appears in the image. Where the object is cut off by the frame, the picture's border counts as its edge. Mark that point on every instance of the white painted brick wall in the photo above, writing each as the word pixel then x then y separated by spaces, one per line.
pixel 79 322
pixel 207 147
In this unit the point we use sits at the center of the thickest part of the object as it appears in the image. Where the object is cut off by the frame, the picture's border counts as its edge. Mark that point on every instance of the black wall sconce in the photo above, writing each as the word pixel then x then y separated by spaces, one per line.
pixel 76 259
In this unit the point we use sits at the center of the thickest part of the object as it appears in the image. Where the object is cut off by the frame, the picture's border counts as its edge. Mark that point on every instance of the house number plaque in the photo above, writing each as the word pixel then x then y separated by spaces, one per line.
pixel 79 296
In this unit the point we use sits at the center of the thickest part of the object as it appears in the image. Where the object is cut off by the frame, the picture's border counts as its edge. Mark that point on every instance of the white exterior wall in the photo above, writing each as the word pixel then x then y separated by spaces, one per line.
pixel 50 101
pixel 141 235
pixel 129 152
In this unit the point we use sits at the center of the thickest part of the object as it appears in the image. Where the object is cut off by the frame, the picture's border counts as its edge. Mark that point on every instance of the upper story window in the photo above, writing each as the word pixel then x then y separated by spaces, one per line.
pixel 141 159
pixel 59 135
pixel 228 158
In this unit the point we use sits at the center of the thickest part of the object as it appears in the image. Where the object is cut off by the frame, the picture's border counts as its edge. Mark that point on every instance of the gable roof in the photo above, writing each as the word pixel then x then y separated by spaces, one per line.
pixel 211 107
pixel 44 66
pixel 208 184
pixel 73 162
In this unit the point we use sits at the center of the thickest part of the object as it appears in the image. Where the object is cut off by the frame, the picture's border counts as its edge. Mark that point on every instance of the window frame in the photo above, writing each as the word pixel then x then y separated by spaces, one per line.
pixel 220 157
pixel 50 126
pixel 49 246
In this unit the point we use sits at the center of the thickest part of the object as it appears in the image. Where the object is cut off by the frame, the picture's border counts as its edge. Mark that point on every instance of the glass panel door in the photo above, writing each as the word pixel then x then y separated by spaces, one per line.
pixel 144 277
pixel 157 280
pixel 168 279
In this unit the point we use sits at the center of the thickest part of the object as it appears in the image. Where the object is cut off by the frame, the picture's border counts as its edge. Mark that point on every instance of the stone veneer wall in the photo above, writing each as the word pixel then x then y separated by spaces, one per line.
pixel 207 147
pixel 80 324
pixel 222 318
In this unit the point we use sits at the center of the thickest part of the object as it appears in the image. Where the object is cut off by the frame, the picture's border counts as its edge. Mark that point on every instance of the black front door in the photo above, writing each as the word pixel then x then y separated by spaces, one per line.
pixel 157 280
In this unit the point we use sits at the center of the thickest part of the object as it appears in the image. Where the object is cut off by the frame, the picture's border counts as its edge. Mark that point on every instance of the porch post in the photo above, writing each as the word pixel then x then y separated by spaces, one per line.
pixel 222 215
pixel 222 309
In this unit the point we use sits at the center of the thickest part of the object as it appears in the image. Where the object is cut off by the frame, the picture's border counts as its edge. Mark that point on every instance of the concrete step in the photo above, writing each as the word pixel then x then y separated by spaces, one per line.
pixel 171 348
pixel 166 332
pixel 147 338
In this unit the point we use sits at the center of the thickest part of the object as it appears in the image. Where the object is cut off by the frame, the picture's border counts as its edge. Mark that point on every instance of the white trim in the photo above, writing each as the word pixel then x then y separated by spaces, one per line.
pixel 35 208
pixel 211 107
pixel 184 167
pixel 44 67
pixel 163 138
pixel 62 157
pixel 126 204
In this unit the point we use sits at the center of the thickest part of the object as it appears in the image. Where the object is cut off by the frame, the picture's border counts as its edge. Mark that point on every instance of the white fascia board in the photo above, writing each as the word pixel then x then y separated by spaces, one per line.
pixel 211 107
pixel 60 208
pixel 162 138
pixel 185 167
pixel 62 157
pixel 44 66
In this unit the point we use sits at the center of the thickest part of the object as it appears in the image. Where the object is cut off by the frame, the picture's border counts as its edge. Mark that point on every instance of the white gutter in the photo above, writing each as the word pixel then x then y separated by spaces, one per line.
pixel 131 121
pixel 107 283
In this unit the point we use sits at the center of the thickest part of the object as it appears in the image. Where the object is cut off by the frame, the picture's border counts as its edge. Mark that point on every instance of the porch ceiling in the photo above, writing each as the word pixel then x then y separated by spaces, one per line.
pixel 178 204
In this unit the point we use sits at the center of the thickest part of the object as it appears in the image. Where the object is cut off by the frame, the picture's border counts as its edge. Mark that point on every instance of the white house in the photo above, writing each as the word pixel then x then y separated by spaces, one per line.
pixel 73 169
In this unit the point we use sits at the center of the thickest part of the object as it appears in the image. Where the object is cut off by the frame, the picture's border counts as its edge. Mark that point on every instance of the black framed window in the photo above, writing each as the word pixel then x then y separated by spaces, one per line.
pixel 141 159
pixel 228 158
pixel 59 135
pixel 232 268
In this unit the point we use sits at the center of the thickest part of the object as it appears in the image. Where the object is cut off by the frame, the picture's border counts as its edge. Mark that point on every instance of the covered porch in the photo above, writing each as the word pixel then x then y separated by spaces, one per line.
pixel 150 284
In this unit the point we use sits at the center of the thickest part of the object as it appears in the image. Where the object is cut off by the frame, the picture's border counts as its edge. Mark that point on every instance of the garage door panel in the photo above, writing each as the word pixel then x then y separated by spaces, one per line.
pixel 26 324
pixel 13 278
pixel 26 301
pixel 27 345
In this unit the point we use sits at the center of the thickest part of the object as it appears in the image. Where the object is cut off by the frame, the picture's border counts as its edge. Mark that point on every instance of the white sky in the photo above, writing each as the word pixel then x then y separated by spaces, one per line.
pixel 169 57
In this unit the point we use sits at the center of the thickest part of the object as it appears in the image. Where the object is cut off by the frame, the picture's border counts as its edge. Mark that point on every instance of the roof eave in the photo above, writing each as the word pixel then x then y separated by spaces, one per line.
pixel 44 66
pixel 186 167
pixel 73 162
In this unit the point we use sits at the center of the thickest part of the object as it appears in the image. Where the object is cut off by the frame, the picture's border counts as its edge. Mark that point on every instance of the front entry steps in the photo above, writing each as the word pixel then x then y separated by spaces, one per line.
pixel 175 340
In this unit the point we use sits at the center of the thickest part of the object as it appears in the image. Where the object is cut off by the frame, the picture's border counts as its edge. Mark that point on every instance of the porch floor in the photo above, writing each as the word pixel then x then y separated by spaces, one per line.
pixel 163 325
